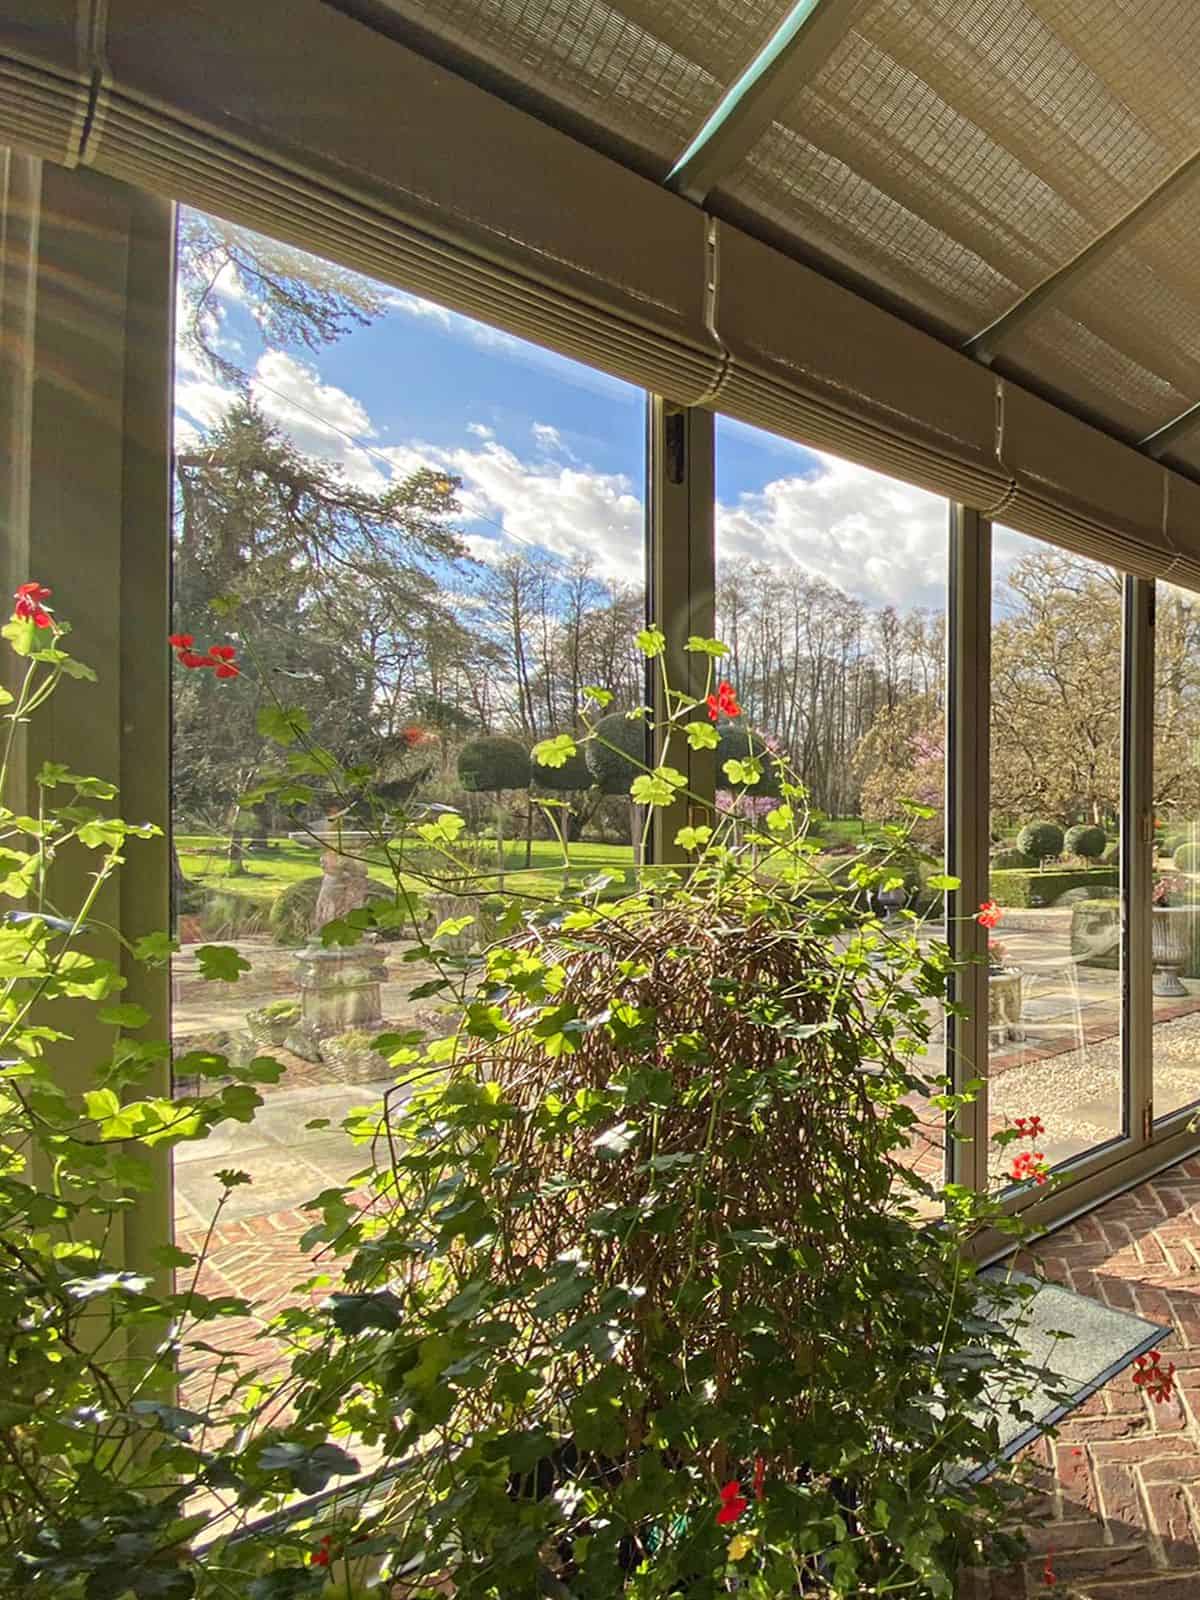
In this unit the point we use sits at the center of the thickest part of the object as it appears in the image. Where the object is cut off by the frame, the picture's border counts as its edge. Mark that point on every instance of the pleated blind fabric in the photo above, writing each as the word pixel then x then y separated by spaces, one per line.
pixel 46 66
pixel 291 118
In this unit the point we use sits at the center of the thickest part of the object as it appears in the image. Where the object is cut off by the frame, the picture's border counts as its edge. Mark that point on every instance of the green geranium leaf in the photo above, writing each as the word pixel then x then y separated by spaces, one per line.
pixel 221 963
pixel 617 1141
pixel 155 948
pixel 283 724
pixel 657 788
pixel 555 752
pixel 708 647
pixel 702 736
pixel 651 642
pixel 124 1015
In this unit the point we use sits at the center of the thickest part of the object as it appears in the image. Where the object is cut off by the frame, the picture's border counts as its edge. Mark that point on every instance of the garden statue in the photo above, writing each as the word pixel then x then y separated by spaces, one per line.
pixel 340 987
pixel 344 887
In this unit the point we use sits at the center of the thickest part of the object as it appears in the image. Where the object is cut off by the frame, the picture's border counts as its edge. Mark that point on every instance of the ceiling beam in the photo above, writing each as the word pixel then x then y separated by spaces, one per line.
pixel 800 45
pixel 982 345
pixel 1158 443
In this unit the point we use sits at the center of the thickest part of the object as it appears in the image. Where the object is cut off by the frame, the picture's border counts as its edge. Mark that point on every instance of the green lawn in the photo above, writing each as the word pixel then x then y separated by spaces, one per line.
pixel 202 859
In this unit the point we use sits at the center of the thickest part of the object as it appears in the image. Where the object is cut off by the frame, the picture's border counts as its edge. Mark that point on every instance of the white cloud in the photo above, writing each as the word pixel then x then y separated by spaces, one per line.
pixel 480 430
pixel 548 439
pixel 478 333
pixel 566 510
pixel 880 540
pixel 321 419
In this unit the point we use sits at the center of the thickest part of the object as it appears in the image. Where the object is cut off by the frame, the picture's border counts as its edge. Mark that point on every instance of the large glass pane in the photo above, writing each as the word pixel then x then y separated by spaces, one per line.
pixel 831 594
pixel 1054 991
pixel 1175 927
pixel 435 533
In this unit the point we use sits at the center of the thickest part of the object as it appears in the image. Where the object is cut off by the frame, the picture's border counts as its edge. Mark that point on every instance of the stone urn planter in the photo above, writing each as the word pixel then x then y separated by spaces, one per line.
pixel 350 1058
pixel 339 989
pixel 1004 1003
pixel 272 1023
pixel 1170 948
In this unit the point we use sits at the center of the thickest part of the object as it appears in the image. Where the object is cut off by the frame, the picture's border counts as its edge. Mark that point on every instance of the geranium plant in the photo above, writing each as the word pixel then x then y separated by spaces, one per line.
pixel 631 1298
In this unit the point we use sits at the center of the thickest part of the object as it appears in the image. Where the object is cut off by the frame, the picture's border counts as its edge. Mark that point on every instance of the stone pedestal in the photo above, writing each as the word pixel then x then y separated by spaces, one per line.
pixel 1004 1004
pixel 340 988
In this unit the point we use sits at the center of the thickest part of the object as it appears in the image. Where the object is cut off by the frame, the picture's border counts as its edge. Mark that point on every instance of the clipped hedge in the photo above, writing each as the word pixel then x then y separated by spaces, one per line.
pixel 1015 888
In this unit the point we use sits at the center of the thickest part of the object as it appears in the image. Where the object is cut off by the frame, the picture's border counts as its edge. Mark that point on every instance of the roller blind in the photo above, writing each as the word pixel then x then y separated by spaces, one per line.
pixel 46 69
pixel 295 120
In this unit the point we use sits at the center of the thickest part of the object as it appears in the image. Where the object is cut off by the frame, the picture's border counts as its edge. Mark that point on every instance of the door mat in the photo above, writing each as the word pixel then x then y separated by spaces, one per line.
pixel 1102 1343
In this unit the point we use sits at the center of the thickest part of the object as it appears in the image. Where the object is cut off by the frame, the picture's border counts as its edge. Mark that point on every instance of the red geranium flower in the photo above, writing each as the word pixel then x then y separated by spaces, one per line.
pixel 1032 1164
pixel 1048 1577
pixel 989 914
pixel 193 659
pixel 1030 1127
pixel 1158 1381
pixel 223 652
pixel 323 1554
pixel 226 669
pixel 733 1503
pixel 723 703
pixel 28 604
pixel 180 641
pixel 760 1477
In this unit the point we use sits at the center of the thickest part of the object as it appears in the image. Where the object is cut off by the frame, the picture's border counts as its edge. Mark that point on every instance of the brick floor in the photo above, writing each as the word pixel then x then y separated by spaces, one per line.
pixel 1120 1486
pixel 1119 1504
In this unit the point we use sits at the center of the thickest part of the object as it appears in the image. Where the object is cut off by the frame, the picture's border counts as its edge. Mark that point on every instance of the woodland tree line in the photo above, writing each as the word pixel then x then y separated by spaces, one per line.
pixel 366 607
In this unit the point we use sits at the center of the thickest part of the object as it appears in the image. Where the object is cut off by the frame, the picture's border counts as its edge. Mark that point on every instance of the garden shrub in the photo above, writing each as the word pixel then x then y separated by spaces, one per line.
pixel 293 910
pixel 1112 854
pixel 493 763
pixel 231 916
pixel 1044 887
pixel 574 774
pixel 1187 858
pixel 1015 860
pixel 1041 840
pixel 1087 840
pixel 614 769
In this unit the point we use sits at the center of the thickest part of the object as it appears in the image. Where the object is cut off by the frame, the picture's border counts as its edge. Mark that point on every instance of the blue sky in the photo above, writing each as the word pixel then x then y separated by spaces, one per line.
pixel 551 453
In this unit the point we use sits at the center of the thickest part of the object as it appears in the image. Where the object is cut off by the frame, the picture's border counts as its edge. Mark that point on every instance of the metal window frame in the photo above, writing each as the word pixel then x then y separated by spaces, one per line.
pixel 680 591
pixel 968 649
pixel 87 296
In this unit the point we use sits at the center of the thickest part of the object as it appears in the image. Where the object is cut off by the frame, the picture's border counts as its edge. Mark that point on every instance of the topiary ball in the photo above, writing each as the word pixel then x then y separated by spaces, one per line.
pixel 1087 840
pixel 1040 840
pixel 1187 858
pixel 614 769
pixel 573 774
pixel 492 763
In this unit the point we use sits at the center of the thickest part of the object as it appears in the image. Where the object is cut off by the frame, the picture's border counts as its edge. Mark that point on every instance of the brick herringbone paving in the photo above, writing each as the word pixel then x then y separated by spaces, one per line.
pixel 1119 1488
pixel 1118 1507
